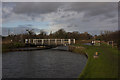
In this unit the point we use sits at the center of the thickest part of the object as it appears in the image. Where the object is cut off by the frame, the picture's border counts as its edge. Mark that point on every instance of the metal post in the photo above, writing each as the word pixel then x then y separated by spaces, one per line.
pixel 74 41
pixel 55 41
pixel 69 41
pixel 33 41
pixel 61 41
pixel 29 40
pixel 37 41
pixel 48 41
pixel 26 40
pixel 112 44
pixel 42 41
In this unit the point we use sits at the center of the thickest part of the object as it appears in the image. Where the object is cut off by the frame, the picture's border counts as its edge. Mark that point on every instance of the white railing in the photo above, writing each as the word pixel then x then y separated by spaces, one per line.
pixel 50 41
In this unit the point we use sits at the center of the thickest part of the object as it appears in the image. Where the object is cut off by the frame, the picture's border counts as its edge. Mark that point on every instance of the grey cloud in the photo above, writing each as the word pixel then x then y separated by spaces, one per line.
pixel 95 15
pixel 114 21
pixel 64 16
pixel 29 25
pixel 72 25
pixel 18 30
pixel 69 26
pixel 26 25
pixel 67 15
pixel 111 15
pixel 95 8
pixel 35 7
pixel 90 9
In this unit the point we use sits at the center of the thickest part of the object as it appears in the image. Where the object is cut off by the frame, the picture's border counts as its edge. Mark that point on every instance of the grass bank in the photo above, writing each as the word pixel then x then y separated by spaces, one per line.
pixel 21 47
pixel 7 47
pixel 105 66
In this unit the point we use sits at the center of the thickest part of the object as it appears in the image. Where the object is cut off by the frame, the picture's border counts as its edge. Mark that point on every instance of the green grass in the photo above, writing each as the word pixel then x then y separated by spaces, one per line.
pixel 8 47
pixel 105 66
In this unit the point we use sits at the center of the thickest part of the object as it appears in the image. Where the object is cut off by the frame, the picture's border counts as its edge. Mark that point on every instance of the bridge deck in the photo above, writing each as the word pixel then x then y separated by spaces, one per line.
pixel 50 41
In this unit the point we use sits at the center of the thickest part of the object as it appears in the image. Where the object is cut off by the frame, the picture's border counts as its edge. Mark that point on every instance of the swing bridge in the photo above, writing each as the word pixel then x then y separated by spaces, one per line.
pixel 50 42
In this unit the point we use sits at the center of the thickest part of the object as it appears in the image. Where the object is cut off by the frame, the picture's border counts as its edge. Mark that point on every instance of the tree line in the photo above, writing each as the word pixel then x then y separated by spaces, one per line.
pixel 62 34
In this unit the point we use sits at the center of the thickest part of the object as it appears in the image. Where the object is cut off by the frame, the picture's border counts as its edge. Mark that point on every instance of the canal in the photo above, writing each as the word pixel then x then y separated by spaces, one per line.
pixel 49 63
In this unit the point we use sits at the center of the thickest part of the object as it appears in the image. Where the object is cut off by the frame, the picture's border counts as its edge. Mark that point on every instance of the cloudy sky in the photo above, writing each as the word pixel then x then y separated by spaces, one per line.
pixel 92 17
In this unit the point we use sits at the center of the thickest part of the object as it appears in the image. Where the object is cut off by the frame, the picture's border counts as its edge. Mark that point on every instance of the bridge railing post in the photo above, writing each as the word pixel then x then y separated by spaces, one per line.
pixel 48 41
pixel 33 41
pixel 74 41
pixel 29 41
pixel 61 41
pixel 26 40
pixel 42 41
pixel 69 41
pixel 36 41
pixel 55 41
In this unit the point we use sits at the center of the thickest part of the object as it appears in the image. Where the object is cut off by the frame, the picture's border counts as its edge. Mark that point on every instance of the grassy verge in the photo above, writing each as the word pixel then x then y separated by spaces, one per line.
pixel 21 47
pixel 105 66
pixel 9 46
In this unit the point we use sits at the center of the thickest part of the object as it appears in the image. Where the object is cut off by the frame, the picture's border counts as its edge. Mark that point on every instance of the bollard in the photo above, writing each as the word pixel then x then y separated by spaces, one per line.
pixel 96 55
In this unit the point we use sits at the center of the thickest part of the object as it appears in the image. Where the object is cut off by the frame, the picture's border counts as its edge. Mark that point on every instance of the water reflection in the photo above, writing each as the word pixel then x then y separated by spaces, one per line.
pixel 49 63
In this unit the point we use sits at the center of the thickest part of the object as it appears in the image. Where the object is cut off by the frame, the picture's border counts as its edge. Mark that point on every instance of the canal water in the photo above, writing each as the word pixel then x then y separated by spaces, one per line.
pixel 50 63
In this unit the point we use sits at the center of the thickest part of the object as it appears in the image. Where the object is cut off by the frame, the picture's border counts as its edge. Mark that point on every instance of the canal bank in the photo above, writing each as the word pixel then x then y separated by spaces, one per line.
pixel 10 47
pixel 105 66
pixel 78 49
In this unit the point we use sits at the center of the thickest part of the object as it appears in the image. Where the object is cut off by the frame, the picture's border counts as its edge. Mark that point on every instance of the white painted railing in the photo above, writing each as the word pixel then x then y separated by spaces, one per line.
pixel 50 41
